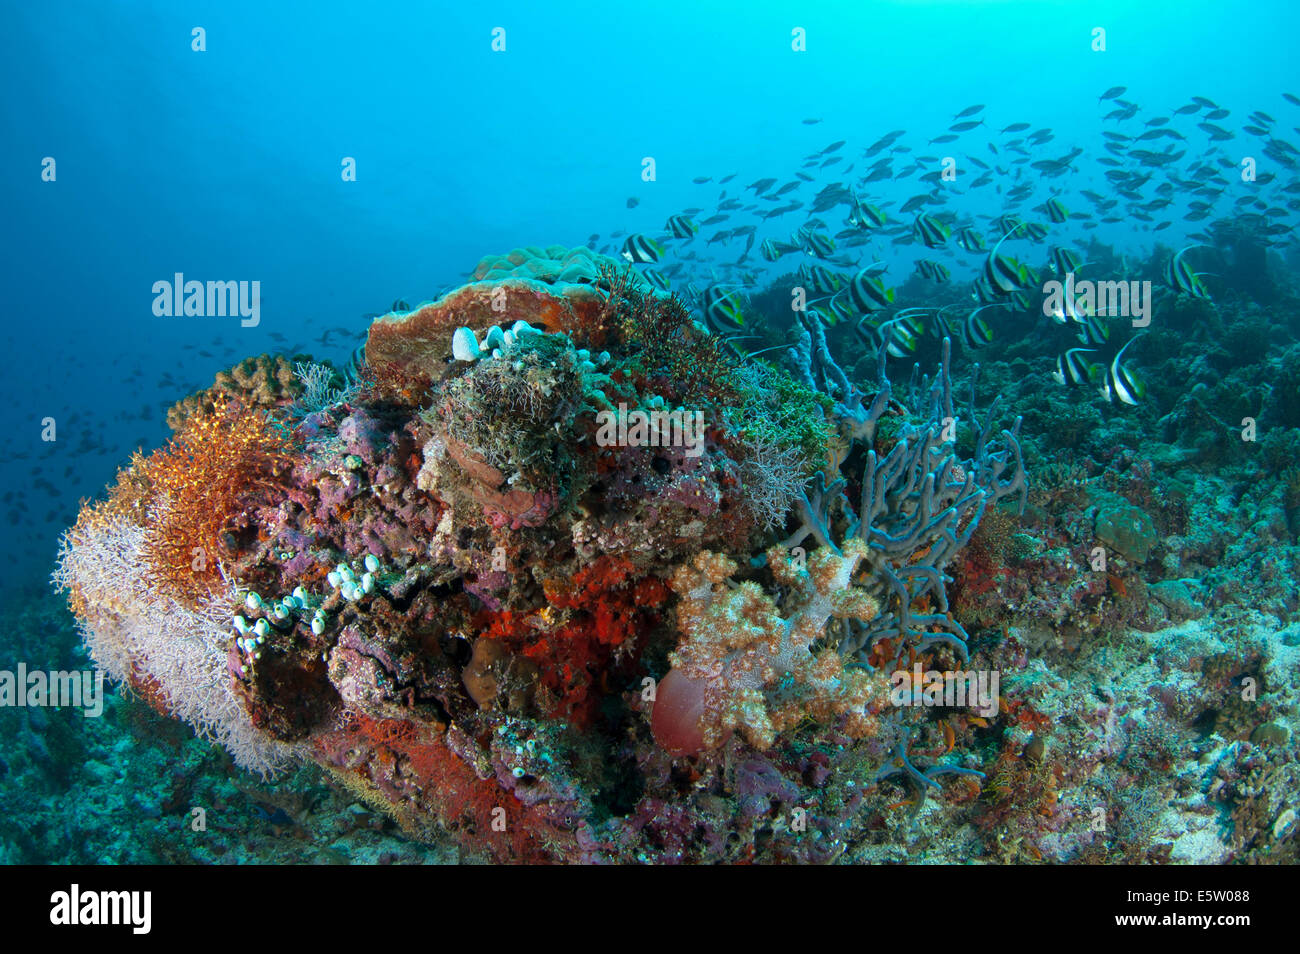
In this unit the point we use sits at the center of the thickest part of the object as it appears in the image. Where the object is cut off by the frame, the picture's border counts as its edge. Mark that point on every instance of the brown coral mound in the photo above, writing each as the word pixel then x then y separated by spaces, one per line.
pixel 265 382
pixel 222 462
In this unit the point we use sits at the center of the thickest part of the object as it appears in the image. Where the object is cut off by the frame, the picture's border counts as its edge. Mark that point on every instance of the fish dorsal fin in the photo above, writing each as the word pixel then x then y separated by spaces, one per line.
pixel 1006 235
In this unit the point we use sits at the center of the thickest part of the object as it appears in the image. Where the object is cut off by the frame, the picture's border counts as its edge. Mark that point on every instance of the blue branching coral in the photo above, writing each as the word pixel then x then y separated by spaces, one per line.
pixel 917 503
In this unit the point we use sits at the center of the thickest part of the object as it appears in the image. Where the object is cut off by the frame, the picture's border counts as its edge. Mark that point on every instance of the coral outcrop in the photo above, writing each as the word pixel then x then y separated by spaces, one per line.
pixel 561 573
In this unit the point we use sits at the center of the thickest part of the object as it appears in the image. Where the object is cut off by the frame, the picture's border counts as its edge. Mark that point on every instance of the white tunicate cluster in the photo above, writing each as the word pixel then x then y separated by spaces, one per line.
pixel 278 615
pixel 587 362
pixel 465 347
pixel 351 587
pixel 498 343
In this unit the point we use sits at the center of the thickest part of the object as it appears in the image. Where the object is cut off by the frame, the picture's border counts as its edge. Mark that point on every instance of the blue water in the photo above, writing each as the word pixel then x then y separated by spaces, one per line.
pixel 225 164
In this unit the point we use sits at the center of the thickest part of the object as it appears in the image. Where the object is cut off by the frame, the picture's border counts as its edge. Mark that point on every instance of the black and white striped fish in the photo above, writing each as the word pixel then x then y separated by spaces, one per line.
pixel 1073 370
pixel 1121 381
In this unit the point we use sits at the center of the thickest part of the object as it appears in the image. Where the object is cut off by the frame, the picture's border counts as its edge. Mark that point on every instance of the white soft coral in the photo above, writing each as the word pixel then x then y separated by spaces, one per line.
pixel 752 664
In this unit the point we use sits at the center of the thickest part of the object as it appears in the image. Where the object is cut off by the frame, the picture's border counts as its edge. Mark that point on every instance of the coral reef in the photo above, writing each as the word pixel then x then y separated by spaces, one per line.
pixel 566 577
pixel 454 585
